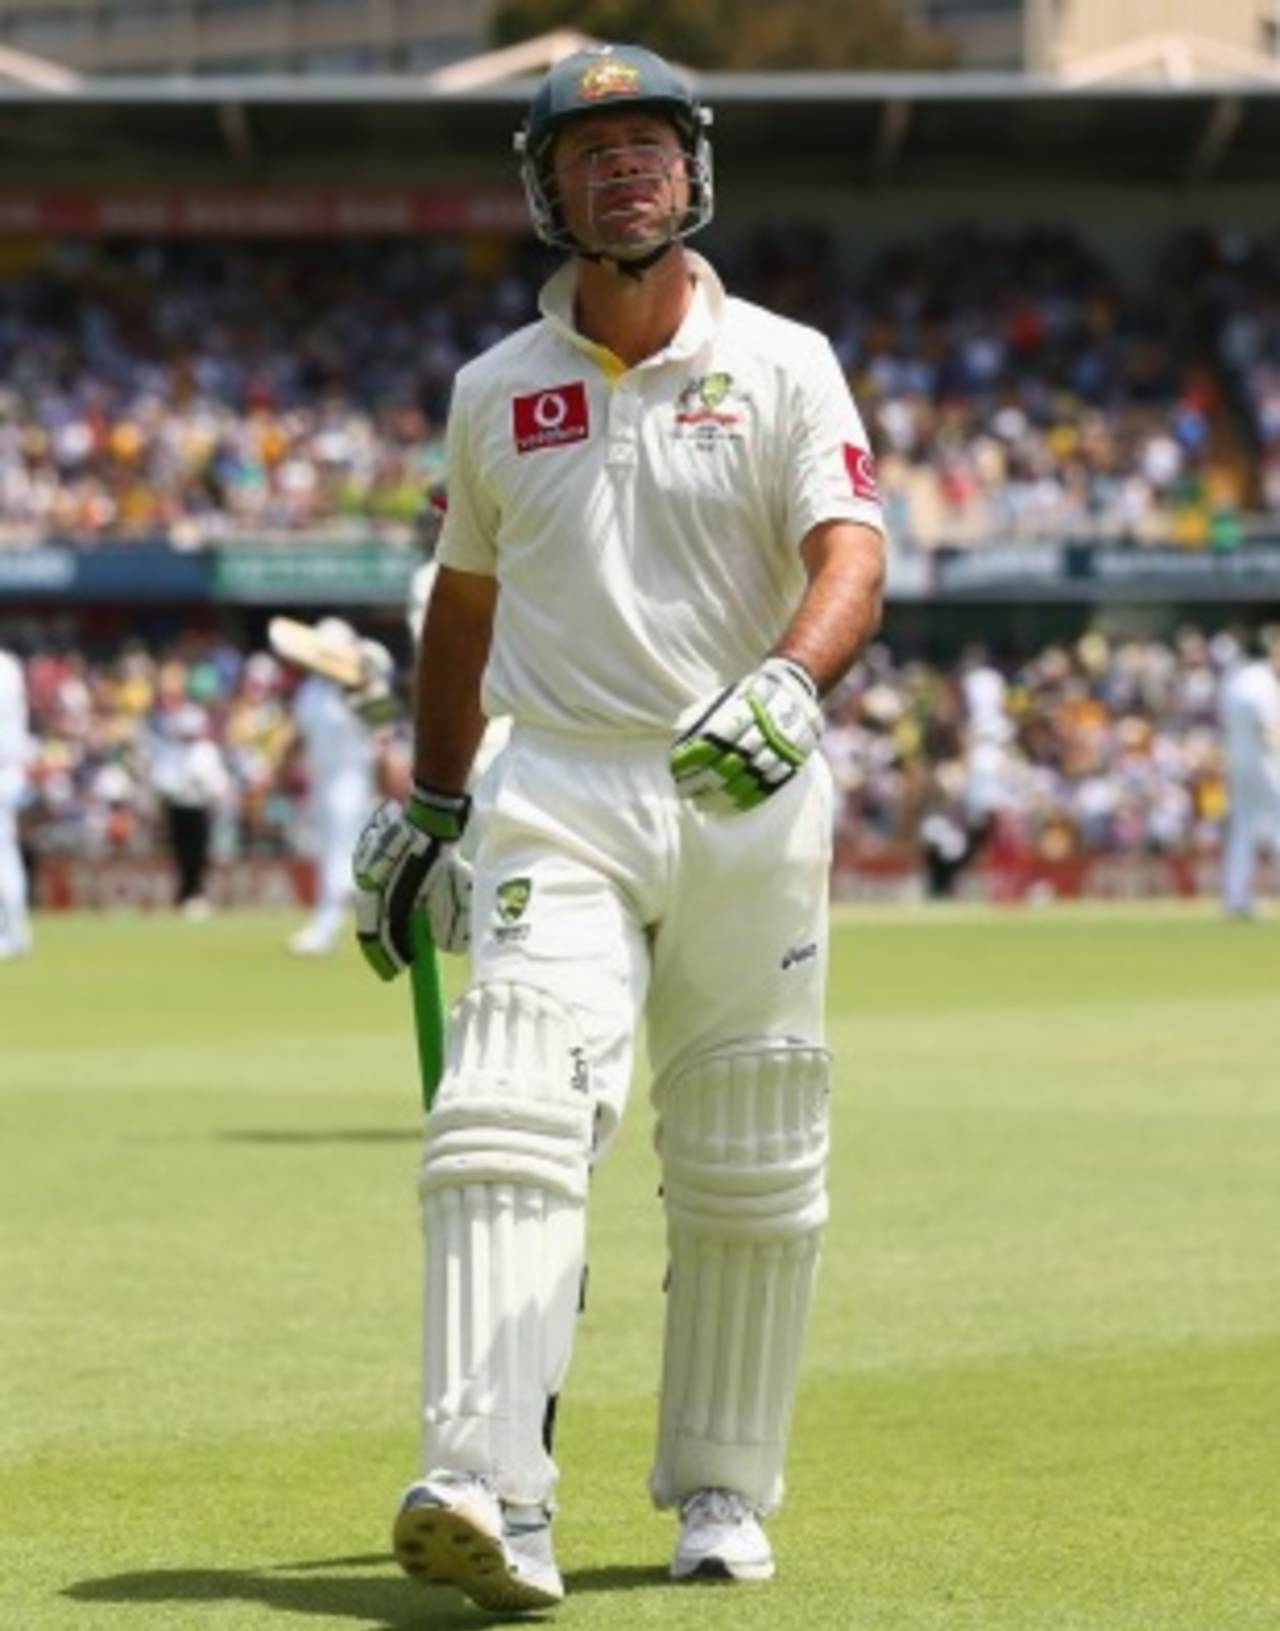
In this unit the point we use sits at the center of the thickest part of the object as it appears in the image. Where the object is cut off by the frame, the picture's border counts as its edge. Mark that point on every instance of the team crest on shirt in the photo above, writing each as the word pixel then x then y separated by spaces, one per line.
pixel 708 410
pixel 512 898
pixel 510 903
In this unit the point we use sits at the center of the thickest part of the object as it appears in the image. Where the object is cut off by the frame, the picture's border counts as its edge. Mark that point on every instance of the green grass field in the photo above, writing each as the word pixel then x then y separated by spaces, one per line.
pixel 1043 1383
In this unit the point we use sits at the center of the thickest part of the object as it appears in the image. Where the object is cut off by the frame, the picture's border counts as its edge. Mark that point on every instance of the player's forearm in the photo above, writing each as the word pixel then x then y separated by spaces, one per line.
pixel 842 606
pixel 448 721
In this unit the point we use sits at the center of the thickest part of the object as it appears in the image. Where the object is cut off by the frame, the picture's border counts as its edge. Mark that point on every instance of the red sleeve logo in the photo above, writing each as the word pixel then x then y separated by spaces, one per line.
pixel 550 418
pixel 862 473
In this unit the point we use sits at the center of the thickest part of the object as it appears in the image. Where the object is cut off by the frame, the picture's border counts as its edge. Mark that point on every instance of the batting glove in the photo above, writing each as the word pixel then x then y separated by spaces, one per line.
pixel 374 704
pixel 396 858
pixel 446 897
pixel 750 741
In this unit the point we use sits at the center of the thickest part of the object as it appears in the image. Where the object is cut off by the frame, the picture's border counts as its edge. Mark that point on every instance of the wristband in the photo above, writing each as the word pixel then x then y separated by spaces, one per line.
pixel 439 815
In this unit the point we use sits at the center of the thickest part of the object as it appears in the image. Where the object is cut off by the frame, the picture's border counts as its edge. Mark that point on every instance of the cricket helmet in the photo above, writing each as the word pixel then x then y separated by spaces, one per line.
pixel 338 648
pixel 603 78
pixel 1266 642
pixel 337 632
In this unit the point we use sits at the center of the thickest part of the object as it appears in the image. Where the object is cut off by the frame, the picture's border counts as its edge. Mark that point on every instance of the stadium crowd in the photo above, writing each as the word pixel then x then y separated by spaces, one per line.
pixel 1112 746
pixel 97 725
pixel 199 392
pixel 1019 390
pixel 1244 281
pixel 1014 387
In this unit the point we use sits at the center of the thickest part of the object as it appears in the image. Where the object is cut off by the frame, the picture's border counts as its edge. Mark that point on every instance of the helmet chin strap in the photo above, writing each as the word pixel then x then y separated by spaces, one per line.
pixel 633 268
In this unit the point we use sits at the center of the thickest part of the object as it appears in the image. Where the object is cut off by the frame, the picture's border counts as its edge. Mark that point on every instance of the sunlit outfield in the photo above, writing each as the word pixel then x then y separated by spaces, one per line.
pixel 1043 1385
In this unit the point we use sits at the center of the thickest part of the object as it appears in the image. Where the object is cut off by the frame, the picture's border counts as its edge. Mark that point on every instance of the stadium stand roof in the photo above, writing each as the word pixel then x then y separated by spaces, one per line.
pixel 23 68
pixel 1169 110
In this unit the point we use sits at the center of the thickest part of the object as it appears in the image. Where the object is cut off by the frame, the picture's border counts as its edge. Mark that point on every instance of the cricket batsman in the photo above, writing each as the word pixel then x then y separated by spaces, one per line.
pixel 663 545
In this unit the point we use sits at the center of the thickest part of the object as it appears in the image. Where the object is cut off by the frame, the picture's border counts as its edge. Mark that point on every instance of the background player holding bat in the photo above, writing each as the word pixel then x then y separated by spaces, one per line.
pixel 663 544
pixel 341 714
pixel 338 711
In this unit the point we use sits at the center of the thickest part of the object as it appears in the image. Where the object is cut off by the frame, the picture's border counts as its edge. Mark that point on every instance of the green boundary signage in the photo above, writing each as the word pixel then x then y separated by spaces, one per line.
pixel 368 574
pixel 306 574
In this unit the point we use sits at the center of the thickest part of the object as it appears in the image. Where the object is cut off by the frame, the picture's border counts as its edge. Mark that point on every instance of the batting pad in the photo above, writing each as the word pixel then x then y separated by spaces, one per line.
pixel 742 1134
pixel 503 1187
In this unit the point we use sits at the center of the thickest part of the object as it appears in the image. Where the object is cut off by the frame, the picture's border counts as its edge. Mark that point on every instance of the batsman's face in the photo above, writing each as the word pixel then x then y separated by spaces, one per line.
pixel 621 182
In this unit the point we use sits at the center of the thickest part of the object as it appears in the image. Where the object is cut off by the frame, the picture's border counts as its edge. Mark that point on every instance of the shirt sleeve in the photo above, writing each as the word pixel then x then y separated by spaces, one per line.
pixel 468 539
pixel 830 473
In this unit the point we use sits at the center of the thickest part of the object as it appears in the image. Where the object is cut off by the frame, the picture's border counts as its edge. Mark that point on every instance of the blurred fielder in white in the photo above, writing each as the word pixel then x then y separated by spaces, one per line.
pixel 15 753
pixel 1250 716
pixel 988 731
pixel 663 544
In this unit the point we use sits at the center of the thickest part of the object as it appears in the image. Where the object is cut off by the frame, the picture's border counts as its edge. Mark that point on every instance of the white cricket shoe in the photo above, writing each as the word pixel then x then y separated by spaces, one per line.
pixel 451 1530
pixel 720 1539
pixel 18 944
pixel 313 940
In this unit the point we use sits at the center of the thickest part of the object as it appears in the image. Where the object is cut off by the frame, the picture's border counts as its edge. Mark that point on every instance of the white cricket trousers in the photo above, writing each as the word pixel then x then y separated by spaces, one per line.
pixel 595 883
pixel 15 924
pixel 601 899
pixel 1253 822
pixel 341 802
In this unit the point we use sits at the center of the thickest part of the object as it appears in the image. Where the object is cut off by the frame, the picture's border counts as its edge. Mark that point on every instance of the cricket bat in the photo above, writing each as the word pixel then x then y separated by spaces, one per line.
pixel 302 645
pixel 428 1006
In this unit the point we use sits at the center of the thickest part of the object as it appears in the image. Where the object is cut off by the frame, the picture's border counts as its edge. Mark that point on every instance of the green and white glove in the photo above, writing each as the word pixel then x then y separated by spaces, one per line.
pixel 750 741
pixel 374 704
pixel 405 853
pixel 374 701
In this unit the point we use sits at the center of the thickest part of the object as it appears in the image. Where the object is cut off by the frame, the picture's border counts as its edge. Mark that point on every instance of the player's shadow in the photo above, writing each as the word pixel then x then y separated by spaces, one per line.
pixel 380 1602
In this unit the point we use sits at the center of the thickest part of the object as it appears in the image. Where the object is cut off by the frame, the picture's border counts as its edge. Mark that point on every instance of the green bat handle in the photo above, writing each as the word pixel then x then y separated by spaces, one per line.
pixel 428 1007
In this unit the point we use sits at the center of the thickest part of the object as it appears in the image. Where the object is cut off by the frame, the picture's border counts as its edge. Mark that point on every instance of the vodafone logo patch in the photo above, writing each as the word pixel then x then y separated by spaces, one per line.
pixel 550 418
pixel 862 473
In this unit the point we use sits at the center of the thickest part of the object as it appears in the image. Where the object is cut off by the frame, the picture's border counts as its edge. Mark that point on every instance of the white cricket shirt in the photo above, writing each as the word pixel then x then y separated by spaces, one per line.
pixel 984 699
pixel 15 742
pixel 1251 716
pixel 335 741
pixel 644 524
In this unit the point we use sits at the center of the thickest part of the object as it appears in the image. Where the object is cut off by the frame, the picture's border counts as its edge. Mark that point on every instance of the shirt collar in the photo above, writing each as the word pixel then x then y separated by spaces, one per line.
pixel 700 323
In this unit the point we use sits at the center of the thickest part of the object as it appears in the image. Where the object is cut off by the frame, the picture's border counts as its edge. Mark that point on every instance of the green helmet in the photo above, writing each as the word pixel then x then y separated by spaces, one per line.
pixel 599 79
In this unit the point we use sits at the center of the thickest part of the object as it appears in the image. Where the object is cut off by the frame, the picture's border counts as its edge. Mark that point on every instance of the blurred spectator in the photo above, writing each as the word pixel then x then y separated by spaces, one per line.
pixel 190 778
